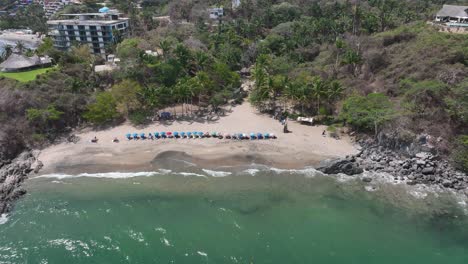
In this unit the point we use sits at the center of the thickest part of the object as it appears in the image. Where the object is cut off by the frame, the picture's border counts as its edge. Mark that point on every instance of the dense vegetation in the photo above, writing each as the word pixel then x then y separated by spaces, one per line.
pixel 371 64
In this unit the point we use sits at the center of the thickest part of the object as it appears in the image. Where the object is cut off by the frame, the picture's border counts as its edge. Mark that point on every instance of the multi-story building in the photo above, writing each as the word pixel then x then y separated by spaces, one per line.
pixel 98 30
pixel 53 6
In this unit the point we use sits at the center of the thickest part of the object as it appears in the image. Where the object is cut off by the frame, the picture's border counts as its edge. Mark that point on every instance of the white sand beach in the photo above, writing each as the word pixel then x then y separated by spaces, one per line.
pixel 305 146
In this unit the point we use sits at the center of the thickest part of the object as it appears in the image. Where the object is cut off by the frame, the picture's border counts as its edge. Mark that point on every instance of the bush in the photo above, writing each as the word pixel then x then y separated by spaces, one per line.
pixel 367 112
pixel 138 118
pixel 103 111
pixel 460 153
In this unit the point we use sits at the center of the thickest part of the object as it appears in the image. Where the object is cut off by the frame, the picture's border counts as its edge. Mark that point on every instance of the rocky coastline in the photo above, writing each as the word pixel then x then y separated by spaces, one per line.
pixel 413 163
pixel 12 175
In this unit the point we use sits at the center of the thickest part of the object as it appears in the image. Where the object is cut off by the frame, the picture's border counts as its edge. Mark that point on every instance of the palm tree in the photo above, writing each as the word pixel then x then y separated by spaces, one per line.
pixel 165 46
pixel 318 90
pixel 7 51
pixel 20 47
pixel 334 91
pixel 201 60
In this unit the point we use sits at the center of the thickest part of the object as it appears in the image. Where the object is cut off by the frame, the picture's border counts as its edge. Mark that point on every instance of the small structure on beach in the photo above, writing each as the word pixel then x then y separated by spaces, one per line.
pixel 453 15
pixel 19 62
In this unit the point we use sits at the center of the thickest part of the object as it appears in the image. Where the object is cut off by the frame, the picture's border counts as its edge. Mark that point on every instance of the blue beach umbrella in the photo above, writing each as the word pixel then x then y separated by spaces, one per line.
pixel 200 134
pixel 189 134
pixel 195 134
pixel 163 134
pixel 182 134
pixel 156 134
pixel 135 135
pixel 266 136
pixel 142 135
pixel 176 134
pixel 128 135
pixel 252 135
pixel 240 136
pixel 259 135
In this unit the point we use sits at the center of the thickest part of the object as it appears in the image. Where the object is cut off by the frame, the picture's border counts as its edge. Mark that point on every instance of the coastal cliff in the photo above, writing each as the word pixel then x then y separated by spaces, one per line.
pixel 12 175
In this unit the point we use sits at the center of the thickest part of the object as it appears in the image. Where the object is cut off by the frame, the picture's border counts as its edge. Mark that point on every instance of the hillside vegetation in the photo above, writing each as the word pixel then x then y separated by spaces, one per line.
pixel 374 65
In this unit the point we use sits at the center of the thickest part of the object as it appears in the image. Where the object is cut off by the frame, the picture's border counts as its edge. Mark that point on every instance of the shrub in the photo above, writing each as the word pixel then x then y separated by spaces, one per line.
pixel 460 153
pixel 138 118
pixel 367 112
pixel 103 110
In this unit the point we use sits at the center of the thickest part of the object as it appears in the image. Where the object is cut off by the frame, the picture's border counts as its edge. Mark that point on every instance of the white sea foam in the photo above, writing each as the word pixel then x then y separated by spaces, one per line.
pixel 217 173
pixel 188 174
pixel 201 253
pixel 111 175
pixel 3 219
pixel 160 229
pixel 74 246
pixel 252 171
pixel 166 242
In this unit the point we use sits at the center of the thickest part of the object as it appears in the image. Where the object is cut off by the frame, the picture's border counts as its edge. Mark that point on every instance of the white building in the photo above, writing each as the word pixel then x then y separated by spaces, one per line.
pixel 216 12
pixel 454 15
pixel 98 30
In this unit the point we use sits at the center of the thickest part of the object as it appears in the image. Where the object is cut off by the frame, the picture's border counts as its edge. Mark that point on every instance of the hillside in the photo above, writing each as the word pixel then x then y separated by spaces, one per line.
pixel 375 66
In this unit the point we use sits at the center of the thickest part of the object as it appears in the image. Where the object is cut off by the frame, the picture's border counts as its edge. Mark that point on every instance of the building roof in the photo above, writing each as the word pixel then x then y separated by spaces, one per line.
pixel 18 61
pixel 453 11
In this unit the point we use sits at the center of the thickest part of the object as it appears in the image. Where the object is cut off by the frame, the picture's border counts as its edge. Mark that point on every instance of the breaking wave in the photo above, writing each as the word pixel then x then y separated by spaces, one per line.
pixel 3 219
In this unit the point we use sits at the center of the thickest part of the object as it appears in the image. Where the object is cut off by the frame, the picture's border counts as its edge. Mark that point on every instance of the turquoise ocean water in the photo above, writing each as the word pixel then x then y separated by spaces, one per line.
pixel 246 217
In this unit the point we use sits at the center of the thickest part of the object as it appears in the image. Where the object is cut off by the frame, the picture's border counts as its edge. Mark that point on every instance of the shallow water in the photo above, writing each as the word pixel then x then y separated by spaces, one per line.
pixel 251 216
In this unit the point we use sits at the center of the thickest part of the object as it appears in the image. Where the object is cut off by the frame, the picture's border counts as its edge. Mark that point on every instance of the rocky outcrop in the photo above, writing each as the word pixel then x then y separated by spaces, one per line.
pixel 12 175
pixel 414 161
pixel 347 166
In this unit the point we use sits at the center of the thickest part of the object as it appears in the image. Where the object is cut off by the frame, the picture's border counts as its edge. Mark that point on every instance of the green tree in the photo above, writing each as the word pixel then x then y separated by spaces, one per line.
pixel 126 95
pixel 367 112
pixel 102 111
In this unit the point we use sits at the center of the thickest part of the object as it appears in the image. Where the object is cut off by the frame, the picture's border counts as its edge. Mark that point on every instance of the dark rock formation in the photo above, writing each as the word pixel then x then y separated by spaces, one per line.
pixel 347 166
pixel 12 175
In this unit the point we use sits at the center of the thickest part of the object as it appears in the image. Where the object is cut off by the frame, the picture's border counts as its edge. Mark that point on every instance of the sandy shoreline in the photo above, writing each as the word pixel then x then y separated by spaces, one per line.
pixel 304 147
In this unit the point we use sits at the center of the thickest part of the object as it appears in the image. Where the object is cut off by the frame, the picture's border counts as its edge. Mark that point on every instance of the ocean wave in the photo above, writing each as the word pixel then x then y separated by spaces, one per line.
pixel 187 174
pixel 3 219
pixel 217 173
pixel 110 175
pixel 74 246
pixel 201 253
pixel 251 171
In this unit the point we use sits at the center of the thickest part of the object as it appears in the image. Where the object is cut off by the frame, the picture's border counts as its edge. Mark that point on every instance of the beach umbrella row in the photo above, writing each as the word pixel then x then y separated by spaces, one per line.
pixel 252 136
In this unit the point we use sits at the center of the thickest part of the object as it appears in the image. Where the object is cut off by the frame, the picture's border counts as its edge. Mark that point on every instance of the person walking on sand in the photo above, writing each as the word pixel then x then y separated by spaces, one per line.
pixel 324 133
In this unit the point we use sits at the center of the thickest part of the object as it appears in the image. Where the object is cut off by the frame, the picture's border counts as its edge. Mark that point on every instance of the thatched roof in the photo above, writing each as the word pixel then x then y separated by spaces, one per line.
pixel 453 11
pixel 17 62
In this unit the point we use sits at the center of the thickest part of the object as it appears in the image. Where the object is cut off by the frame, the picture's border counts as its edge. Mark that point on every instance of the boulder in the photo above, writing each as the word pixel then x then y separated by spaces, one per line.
pixel 447 183
pixel 428 171
pixel 341 166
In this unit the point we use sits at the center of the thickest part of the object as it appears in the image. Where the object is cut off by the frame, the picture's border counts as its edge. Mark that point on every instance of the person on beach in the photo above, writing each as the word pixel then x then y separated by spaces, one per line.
pixel 115 140
pixel 324 133
pixel 94 140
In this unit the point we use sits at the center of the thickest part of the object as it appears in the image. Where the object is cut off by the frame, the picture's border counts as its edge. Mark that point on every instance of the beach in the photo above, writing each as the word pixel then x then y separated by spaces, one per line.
pixel 305 146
